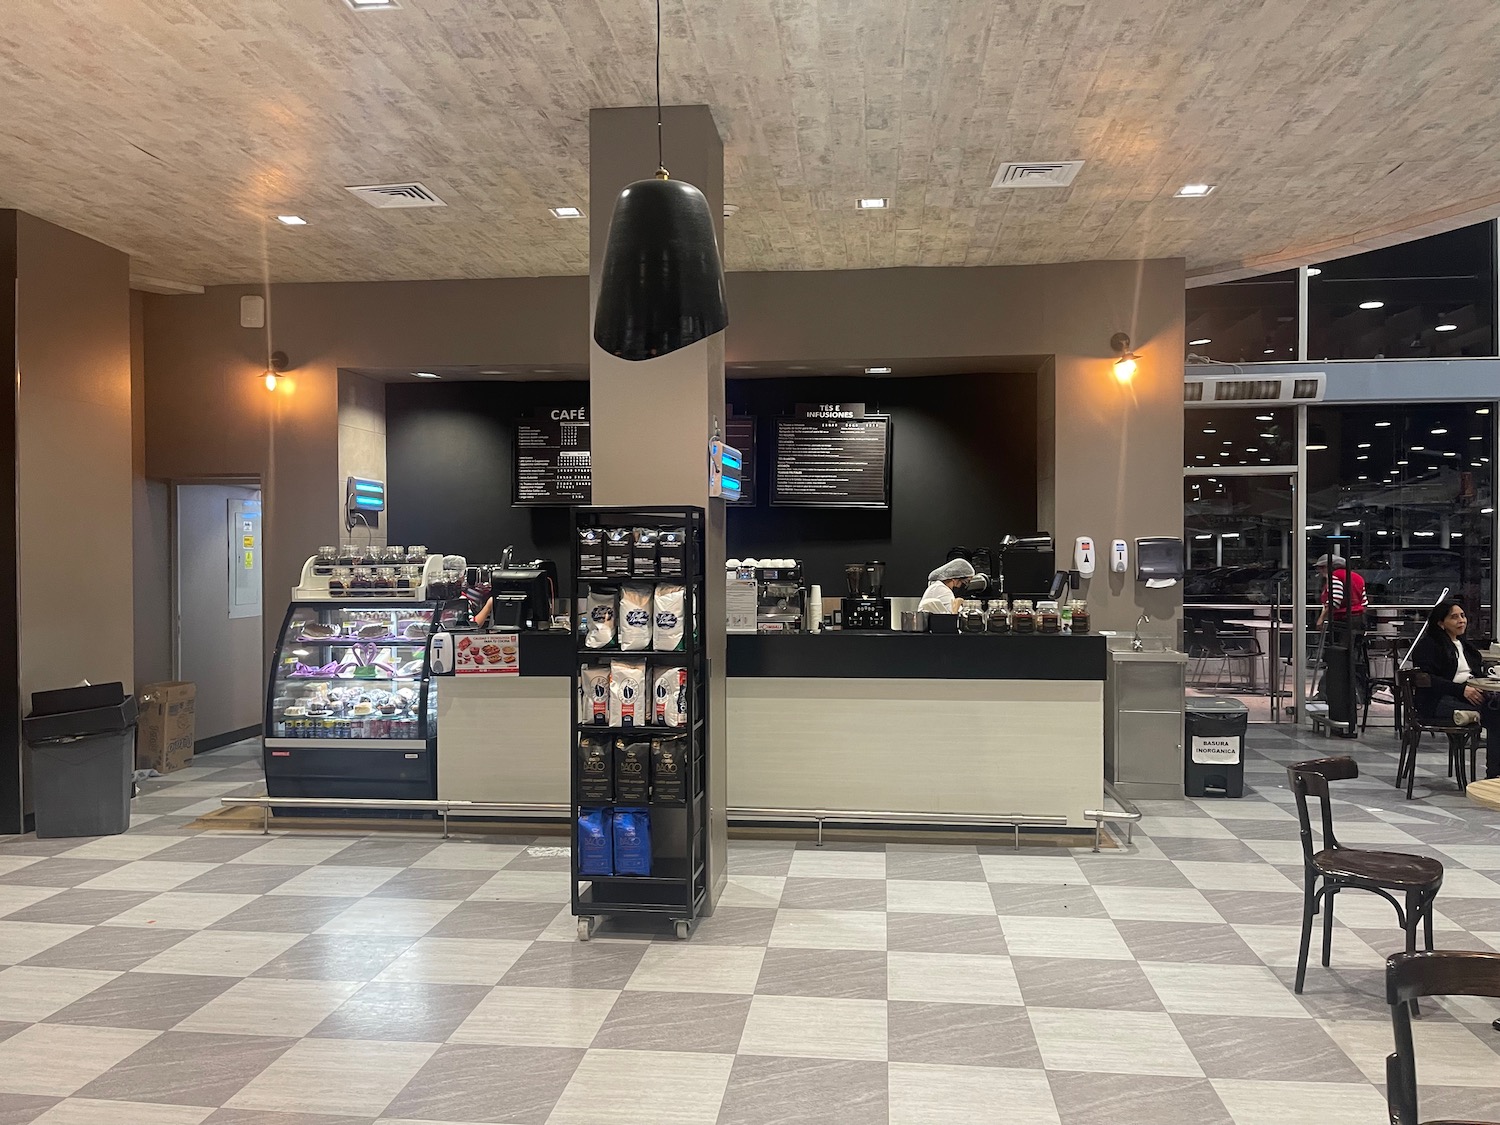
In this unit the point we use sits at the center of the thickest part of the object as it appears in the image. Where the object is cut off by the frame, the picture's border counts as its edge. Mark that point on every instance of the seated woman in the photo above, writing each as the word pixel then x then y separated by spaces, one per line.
pixel 1447 656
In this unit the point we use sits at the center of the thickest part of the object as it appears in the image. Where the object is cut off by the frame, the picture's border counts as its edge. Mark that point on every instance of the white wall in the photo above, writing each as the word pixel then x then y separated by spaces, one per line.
pixel 222 655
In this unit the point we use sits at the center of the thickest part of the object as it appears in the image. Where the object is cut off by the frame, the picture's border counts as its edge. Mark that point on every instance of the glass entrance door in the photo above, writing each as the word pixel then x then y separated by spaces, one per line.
pixel 1243 564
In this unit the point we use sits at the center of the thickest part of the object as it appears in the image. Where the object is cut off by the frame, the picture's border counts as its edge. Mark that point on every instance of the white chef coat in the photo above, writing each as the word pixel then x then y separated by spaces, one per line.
pixel 938 599
pixel 1464 673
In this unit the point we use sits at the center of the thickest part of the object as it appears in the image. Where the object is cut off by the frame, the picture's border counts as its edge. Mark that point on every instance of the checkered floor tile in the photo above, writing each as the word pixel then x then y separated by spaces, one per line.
pixel 209 977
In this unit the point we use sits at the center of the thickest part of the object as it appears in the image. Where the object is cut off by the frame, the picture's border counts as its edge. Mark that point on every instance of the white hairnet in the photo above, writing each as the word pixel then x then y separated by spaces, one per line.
pixel 958 568
pixel 1338 560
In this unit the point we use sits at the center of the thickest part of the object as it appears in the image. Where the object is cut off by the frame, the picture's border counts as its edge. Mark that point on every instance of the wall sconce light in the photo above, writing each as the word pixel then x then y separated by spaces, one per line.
pixel 1126 365
pixel 273 374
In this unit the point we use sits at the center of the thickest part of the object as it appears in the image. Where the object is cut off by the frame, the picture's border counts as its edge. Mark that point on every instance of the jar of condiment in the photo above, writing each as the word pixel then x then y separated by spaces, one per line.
pixel 385 580
pixel 1048 620
pixel 999 618
pixel 1080 617
pixel 347 554
pixel 417 555
pixel 408 578
pixel 363 581
pixel 324 563
pixel 1022 617
pixel 341 582
pixel 970 617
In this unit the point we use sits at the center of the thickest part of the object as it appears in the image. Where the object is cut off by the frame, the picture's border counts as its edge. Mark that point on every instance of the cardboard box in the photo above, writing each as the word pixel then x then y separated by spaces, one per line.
pixel 164 737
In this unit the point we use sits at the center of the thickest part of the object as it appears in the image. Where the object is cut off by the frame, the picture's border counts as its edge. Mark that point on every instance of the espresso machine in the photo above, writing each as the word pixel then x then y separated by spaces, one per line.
pixel 780 598
pixel 866 607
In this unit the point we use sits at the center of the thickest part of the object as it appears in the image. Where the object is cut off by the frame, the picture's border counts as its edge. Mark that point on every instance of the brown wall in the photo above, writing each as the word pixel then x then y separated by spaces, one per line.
pixel 208 415
pixel 73 497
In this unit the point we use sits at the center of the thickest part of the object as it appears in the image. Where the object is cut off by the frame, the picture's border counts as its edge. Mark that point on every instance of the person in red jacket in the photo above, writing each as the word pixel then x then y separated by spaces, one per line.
pixel 1343 591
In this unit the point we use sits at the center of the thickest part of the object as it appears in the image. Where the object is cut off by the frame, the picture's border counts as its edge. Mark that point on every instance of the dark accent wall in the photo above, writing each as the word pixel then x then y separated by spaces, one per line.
pixel 963 451
pixel 450 458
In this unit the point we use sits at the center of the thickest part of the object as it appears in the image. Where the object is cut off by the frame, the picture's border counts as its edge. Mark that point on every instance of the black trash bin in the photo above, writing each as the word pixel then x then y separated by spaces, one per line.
pixel 1215 760
pixel 82 745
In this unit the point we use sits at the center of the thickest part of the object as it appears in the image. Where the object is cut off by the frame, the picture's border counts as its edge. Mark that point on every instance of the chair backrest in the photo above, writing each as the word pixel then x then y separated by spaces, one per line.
pixel 1209 634
pixel 1310 779
pixel 1409 976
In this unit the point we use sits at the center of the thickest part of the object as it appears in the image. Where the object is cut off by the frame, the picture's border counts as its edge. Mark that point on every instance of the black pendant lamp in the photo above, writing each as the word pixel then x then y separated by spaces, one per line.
pixel 662 284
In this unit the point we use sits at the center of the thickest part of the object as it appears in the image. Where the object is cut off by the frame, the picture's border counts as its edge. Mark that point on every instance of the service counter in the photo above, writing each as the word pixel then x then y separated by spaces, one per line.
pixel 840 721
pixel 917 723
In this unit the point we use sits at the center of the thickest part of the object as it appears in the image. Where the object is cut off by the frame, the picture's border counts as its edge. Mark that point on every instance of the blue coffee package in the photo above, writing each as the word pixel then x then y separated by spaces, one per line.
pixel 632 842
pixel 595 843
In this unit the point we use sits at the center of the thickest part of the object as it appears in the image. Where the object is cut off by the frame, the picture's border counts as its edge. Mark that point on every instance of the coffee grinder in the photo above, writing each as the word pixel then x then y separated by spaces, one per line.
pixel 866 607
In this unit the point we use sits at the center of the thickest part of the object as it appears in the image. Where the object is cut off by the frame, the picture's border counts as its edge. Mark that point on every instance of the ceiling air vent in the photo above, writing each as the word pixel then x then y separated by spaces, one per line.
pixel 1207 390
pixel 397 195
pixel 1037 174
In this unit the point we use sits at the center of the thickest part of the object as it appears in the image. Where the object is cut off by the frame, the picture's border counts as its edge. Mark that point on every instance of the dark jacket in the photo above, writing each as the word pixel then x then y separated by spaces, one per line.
pixel 1435 655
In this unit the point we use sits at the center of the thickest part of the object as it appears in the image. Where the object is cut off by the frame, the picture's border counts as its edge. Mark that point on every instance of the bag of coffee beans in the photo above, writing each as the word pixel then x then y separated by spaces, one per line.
pixel 635 616
pixel 601 619
pixel 669 697
pixel 632 842
pixel 628 704
pixel 591 550
pixel 596 784
pixel 671 553
pixel 669 770
pixel 595 842
pixel 632 771
pixel 593 695
pixel 667 620
pixel 643 553
pixel 617 547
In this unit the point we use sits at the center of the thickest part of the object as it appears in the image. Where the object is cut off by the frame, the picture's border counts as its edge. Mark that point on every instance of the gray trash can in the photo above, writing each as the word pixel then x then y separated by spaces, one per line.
pixel 1215 744
pixel 82 746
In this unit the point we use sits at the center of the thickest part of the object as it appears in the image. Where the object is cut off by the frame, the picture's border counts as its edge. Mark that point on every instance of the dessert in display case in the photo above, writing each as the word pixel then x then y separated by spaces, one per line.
pixel 352 710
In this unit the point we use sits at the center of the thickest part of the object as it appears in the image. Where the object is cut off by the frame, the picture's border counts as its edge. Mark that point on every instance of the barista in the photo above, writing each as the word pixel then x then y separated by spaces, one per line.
pixel 945 584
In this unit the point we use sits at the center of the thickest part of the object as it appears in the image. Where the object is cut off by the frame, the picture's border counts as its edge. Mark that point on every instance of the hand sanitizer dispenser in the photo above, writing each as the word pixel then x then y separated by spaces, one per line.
pixel 440 659
pixel 1083 557
pixel 1119 557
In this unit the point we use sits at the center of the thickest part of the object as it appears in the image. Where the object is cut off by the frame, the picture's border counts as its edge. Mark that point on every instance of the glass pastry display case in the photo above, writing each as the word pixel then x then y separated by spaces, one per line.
pixel 352 710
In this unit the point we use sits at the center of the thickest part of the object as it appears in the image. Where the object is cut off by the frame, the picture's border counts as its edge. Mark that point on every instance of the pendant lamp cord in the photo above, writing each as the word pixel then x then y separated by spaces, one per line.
pixel 661 165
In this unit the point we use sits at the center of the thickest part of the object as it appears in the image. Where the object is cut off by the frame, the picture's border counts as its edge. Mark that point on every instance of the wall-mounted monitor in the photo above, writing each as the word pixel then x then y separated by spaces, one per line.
pixel 832 455
pixel 739 431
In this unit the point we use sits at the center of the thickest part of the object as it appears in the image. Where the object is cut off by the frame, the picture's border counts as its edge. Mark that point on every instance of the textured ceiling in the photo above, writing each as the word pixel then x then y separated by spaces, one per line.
pixel 175 129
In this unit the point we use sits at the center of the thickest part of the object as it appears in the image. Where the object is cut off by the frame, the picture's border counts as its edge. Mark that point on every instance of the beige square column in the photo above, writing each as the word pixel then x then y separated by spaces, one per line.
pixel 650 422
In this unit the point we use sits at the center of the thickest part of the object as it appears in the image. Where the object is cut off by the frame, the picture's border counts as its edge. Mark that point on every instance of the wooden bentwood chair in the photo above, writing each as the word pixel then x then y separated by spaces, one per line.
pixel 1413 727
pixel 1335 868
pixel 1409 976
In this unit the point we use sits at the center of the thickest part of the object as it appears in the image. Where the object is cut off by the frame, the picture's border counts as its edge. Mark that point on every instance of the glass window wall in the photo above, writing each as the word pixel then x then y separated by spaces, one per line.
pixel 1248 321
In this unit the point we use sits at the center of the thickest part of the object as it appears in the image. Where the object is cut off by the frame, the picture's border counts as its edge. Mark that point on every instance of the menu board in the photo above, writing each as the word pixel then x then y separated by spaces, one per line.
pixel 552 458
pixel 740 433
pixel 832 455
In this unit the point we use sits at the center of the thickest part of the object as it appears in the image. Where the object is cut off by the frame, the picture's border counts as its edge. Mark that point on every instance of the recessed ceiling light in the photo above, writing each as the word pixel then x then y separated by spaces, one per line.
pixel 1364 477
pixel 1264 418
pixel 1403 462
pixel 1455 535
pixel 873 204
pixel 1351 523
pixel 1266 459
pixel 1194 191
pixel 1382 533
pixel 1252 449
pixel 1202 457
pixel 1439 430
pixel 291 220
pixel 1269 437
pixel 1477 437
pixel 1449 453
pixel 1482 410
pixel 1486 511
pixel 1268 351
pixel 1446 328
pixel 1229 535
pixel 1316 448
pixel 1205 340
pixel 1364 445
pixel 877 370
pixel 1372 304
pixel 731 210
pixel 1313 271
pixel 1475 464
pixel 1209 430
pixel 371 5
pixel 1210 536
pixel 565 212
pixel 425 375
pixel 1228 442
pixel 1382 424
pixel 1363 457
pixel 1425 534
pixel 1419 449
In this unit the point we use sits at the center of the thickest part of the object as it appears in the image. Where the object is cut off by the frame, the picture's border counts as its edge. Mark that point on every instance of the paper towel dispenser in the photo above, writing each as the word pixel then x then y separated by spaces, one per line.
pixel 1158 558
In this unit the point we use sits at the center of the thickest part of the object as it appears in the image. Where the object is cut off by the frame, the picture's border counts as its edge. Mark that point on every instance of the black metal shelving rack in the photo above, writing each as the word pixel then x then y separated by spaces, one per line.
pixel 677 887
